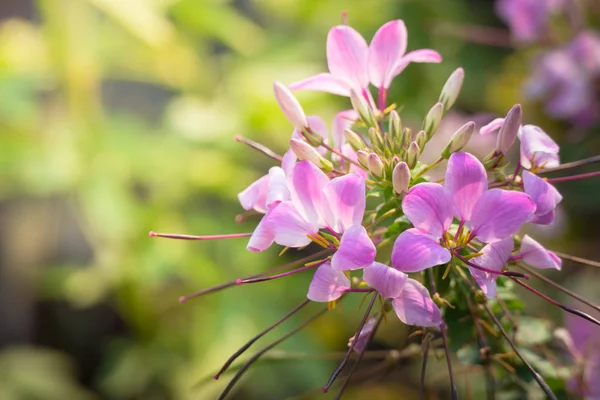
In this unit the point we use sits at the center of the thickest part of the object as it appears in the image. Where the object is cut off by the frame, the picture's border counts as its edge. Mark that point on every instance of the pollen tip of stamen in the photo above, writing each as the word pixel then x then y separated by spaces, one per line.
pixel 237 138
pixel 182 299
pixel 526 276
pixel 152 234
pixel 325 389
pixel 239 281
pixel 216 377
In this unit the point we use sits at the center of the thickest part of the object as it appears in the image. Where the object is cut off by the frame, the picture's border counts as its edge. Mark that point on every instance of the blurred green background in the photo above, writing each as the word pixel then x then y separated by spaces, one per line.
pixel 117 117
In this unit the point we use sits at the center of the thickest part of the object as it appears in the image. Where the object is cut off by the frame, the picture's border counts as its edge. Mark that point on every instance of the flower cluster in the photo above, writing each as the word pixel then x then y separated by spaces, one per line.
pixel 387 229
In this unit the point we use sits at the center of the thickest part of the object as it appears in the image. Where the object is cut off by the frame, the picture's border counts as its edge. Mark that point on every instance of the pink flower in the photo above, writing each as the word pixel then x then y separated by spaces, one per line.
pixel 537 256
pixel 328 284
pixel 410 300
pixel 315 203
pixel 353 64
pixel 495 256
pixel 362 340
pixel 528 19
pixel 544 195
pixel 491 215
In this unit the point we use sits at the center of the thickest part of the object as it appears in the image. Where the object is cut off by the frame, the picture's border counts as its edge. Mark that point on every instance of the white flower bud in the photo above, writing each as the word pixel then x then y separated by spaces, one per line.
pixel 362 107
pixel 459 139
pixel 354 140
pixel 363 158
pixel 412 154
pixel 433 119
pixel 376 165
pixel 451 88
pixel 305 151
pixel 401 177
pixel 421 139
pixel 290 106
pixel 509 129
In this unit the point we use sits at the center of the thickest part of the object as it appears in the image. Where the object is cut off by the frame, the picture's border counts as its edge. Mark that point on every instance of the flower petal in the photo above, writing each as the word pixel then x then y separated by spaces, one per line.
pixel 388 282
pixel 323 82
pixel 537 256
pixel 466 181
pixel 428 208
pixel 500 213
pixel 491 127
pixel 418 56
pixel 365 333
pixel 536 145
pixel 277 189
pixel 415 307
pixel 544 195
pixel 306 183
pixel 346 200
pixel 494 257
pixel 414 251
pixel 262 238
pixel 356 250
pixel 327 284
pixel 288 227
pixel 254 197
pixel 290 106
pixel 387 47
pixel 545 219
pixel 347 54
pixel 288 162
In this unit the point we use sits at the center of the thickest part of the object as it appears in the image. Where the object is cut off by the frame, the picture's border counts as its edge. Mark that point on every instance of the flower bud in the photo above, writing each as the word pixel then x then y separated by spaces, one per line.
pixel 459 139
pixel 375 165
pixel 361 105
pixel 375 138
pixel 433 119
pixel 509 129
pixel 412 154
pixel 451 88
pixel 290 106
pixel 363 158
pixel 421 139
pixel 401 177
pixel 305 151
pixel 354 140
pixel 395 124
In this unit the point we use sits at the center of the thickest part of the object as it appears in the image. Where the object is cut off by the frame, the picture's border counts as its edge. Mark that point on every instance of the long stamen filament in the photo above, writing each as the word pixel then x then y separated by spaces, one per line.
pixel 510 274
pixel 282 275
pixel 574 177
pixel 193 237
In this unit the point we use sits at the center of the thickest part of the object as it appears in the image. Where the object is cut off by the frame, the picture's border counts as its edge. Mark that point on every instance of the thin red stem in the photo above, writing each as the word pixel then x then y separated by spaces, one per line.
pixel 574 177
pixel 282 275
pixel 510 274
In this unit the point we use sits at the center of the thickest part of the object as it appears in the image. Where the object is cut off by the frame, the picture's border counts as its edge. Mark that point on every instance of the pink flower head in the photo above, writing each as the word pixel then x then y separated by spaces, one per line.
pixel 410 300
pixel 353 64
pixel 328 284
pixel 537 148
pixel 583 340
pixel 544 195
pixel 491 215
pixel 315 203
pixel 528 19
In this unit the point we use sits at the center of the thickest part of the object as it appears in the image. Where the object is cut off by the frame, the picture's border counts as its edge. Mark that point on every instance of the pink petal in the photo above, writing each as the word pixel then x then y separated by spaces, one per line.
pixel 342 121
pixel 543 194
pixel 418 56
pixel 545 219
pixel 262 238
pixel 255 195
pixel 290 106
pixel 387 47
pixel 500 213
pixel 288 162
pixel 491 127
pixel 388 282
pixel 324 82
pixel 327 284
pixel 466 181
pixel 537 145
pixel 288 227
pixel 365 333
pixel 414 251
pixel 428 208
pixel 537 256
pixel 356 250
pixel 346 199
pixel 415 307
pixel 277 189
pixel 306 183
pixel 347 54
pixel 494 257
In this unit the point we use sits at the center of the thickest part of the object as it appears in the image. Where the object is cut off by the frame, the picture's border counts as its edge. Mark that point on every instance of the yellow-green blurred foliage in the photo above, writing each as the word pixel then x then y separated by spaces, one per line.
pixel 117 117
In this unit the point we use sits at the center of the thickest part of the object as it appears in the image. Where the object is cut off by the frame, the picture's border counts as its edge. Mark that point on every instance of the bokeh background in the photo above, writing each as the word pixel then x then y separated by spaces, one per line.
pixel 117 117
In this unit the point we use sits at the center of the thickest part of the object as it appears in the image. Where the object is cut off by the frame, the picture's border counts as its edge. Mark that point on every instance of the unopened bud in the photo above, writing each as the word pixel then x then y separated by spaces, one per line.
pixel 305 151
pixel 363 158
pixel 401 177
pixel 354 140
pixel 412 154
pixel 362 107
pixel 433 119
pixel 376 165
pixel 375 138
pixel 395 160
pixel 395 124
pixel 313 138
pixel 290 106
pixel 421 139
pixel 509 129
pixel 451 88
pixel 459 139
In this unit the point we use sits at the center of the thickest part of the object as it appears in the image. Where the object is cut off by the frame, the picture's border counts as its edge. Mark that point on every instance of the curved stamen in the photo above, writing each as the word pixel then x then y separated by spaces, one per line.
pixel 284 274
pixel 193 237
pixel 510 274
